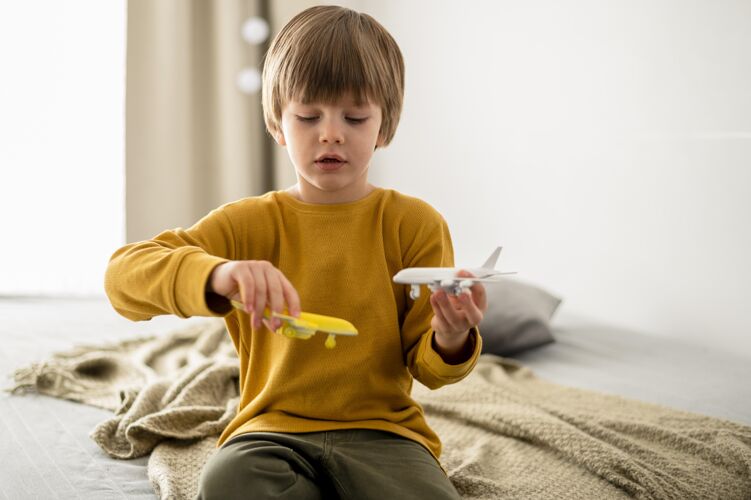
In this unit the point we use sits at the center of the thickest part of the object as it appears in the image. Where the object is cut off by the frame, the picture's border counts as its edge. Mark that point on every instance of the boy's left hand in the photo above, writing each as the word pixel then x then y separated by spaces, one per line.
pixel 455 315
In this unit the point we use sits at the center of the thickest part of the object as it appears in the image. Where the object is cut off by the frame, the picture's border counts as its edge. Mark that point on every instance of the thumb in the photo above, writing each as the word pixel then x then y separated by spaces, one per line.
pixel 463 273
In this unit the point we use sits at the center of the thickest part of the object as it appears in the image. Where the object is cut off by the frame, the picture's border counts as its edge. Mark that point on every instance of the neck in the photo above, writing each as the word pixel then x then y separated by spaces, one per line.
pixel 310 194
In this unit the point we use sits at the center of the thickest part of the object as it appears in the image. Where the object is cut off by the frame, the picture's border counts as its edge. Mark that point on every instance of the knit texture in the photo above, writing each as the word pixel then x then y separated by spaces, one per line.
pixel 341 259
pixel 506 433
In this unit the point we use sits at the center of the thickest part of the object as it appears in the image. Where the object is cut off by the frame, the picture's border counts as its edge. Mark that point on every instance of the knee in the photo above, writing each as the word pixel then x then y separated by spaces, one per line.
pixel 266 471
pixel 220 478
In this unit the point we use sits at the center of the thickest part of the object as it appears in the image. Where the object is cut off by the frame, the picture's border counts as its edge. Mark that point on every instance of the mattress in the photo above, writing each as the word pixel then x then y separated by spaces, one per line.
pixel 46 452
pixel 45 447
pixel 662 370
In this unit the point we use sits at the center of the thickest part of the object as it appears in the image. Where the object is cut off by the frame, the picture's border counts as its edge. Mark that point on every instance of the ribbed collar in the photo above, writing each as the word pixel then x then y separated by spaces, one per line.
pixel 367 201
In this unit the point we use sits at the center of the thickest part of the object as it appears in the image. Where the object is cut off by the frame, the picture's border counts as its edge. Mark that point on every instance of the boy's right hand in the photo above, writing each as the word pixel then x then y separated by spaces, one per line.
pixel 256 284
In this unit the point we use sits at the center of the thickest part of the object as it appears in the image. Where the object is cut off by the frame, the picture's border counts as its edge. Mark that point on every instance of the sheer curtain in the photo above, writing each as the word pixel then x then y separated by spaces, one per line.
pixel 61 144
pixel 195 131
pixel 195 136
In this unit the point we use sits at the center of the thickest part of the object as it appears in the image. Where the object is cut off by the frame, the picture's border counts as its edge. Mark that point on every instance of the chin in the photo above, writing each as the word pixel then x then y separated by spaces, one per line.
pixel 330 184
pixel 329 188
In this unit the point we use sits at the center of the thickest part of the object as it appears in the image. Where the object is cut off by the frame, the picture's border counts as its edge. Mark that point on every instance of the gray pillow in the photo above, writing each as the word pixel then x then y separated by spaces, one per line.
pixel 517 318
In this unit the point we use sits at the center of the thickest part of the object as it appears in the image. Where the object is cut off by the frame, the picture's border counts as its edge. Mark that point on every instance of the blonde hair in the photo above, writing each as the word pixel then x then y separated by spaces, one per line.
pixel 326 51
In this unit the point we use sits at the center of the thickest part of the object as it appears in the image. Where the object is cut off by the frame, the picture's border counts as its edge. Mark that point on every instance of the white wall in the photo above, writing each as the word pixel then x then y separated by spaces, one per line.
pixel 62 92
pixel 605 145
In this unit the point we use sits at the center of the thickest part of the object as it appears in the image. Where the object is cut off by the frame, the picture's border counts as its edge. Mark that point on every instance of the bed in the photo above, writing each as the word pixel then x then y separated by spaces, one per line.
pixel 46 450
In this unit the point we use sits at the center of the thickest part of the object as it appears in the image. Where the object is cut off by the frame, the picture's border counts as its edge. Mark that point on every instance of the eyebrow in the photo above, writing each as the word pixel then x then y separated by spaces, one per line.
pixel 364 106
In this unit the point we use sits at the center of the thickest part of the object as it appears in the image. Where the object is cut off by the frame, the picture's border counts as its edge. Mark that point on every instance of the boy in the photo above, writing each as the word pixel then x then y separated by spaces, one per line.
pixel 314 422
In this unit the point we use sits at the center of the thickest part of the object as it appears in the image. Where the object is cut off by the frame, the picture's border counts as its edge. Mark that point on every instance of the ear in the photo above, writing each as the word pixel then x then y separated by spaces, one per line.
pixel 381 141
pixel 279 138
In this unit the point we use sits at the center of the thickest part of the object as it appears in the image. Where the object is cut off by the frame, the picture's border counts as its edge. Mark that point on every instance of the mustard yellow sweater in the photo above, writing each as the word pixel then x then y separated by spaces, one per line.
pixel 341 259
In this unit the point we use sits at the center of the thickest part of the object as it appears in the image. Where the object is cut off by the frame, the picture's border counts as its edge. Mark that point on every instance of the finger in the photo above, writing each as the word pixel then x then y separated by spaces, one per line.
pixel 246 284
pixel 478 290
pixel 274 291
pixel 471 311
pixel 455 301
pixel 479 296
pixel 268 325
pixel 260 295
pixel 439 322
pixel 463 273
pixel 466 314
pixel 459 306
pixel 290 296
pixel 449 313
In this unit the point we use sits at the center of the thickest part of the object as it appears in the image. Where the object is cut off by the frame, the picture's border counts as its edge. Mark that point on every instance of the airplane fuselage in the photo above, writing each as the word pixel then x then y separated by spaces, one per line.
pixel 426 275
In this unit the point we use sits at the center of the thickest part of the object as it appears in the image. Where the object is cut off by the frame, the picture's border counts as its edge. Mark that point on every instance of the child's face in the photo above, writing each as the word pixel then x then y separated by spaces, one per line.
pixel 331 146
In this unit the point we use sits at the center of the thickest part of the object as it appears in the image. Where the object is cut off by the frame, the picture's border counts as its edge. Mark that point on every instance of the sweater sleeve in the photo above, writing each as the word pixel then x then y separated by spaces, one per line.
pixel 431 247
pixel 168 274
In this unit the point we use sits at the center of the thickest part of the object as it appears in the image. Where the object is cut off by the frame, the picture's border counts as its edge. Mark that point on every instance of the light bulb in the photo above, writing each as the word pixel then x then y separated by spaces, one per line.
pixel 249 80
pixel 255 30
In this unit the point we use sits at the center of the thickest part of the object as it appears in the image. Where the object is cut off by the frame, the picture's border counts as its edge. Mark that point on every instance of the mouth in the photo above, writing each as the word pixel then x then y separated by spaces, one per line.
pixel 330 162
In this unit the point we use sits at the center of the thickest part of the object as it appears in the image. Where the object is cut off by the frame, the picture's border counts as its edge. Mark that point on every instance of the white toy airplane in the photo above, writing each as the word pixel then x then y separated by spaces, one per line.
pixel 446 278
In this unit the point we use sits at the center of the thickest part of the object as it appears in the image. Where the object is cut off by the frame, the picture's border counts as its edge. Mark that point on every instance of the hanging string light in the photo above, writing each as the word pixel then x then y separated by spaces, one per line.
pixel 255 31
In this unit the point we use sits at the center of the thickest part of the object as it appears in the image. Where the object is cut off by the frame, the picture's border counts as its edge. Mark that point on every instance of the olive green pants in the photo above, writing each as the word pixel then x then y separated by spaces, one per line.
pixel 344 464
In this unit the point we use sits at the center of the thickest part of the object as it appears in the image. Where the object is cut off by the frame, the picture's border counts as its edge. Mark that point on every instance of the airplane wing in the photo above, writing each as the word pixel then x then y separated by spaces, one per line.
pixel 457 284
pixel 330 324
pixel 310 322
pixel 491 278
pixel 459 279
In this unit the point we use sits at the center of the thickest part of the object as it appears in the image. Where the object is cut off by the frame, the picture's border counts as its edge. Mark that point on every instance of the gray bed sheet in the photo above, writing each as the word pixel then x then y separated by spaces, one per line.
pixel 668 371
pixel 45 450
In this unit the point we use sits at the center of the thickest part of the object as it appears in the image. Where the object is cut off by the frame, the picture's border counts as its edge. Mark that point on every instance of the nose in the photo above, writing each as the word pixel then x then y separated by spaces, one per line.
pixel 331 132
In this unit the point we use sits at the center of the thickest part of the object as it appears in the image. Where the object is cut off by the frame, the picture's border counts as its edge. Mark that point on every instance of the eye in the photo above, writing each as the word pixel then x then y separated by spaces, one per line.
pixel 306 118
pixel 356 120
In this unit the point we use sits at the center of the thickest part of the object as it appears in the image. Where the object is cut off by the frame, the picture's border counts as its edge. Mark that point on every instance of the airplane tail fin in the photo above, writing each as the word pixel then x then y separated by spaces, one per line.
pixel 490 263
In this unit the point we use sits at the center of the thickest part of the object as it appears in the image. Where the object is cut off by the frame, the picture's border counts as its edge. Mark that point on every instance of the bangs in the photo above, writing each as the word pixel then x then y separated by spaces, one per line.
pixel 335 59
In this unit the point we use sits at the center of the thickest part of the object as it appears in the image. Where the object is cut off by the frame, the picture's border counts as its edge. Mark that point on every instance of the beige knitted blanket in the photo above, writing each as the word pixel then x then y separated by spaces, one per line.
pixel 506 433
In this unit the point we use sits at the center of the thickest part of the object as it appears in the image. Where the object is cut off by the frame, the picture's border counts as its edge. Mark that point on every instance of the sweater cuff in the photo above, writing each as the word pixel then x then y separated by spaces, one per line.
pixel 438 368
pixel 189 293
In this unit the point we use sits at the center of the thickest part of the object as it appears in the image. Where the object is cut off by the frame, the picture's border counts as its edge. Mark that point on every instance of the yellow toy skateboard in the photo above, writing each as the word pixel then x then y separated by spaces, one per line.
pixel 308 324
